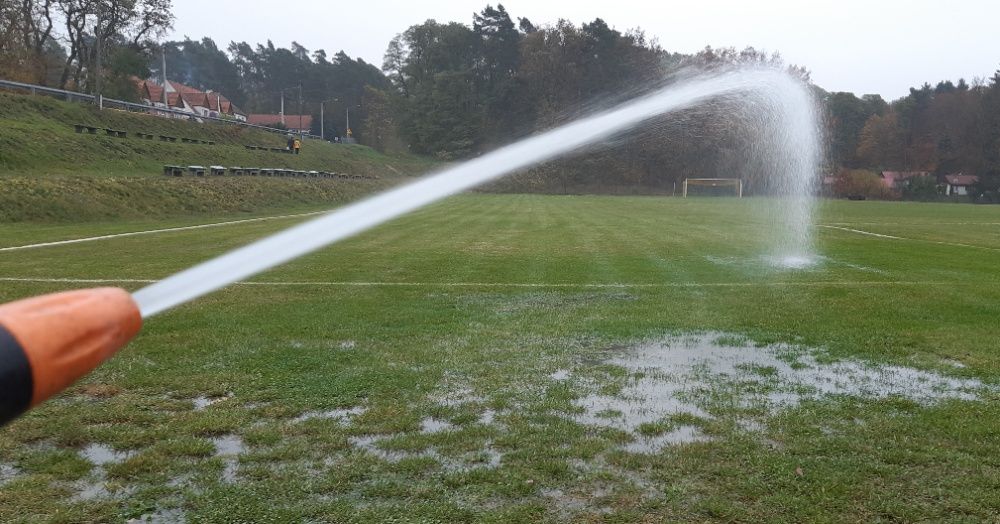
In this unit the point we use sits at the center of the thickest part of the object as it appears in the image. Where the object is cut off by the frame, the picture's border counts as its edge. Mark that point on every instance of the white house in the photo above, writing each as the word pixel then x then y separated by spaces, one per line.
pixel 190 100
pixel 959 184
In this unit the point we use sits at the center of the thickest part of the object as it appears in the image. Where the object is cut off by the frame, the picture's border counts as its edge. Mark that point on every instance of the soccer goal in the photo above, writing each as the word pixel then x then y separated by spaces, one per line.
pixel 713 187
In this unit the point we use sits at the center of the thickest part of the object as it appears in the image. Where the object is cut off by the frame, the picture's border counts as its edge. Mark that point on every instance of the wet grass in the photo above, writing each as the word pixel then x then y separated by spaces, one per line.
pixel 492 317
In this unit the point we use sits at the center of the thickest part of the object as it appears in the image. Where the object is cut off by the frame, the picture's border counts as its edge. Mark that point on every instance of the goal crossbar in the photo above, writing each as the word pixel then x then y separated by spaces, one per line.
pixel 715 182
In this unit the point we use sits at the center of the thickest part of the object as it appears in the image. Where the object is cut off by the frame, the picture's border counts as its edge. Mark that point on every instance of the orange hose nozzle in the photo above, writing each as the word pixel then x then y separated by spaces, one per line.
pixel 48 342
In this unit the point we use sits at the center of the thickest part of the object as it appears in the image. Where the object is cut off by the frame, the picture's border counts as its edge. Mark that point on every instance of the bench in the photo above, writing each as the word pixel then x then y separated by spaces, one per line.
pixel 197 170
pixel 169 170
pixel 165 138
pixel 266 172
pixel 237 171
pixel 145 136
pixel 80 128
pixel 313 174
pixel 116 133
pixel 253 171
pixel 217 170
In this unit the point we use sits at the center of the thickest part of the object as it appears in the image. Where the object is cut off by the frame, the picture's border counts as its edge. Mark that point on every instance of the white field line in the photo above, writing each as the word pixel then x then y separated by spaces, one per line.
pixel 890 237
pixel 155 231
pixel 493 284
pixel 860 232
pixel 913 224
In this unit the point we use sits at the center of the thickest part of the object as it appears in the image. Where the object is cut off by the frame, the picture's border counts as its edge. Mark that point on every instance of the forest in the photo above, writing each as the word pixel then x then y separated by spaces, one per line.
pixel 453 90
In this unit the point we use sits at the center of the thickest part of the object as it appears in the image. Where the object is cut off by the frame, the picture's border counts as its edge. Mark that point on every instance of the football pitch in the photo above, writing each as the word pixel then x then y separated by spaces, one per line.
pixel 499 358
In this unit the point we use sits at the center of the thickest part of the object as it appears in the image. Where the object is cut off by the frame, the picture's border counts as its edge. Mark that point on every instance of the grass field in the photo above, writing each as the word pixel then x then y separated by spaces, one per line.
pixel 445 368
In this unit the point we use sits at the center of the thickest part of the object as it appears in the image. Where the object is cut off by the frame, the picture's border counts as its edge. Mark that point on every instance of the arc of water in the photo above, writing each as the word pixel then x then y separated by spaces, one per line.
pixel 358 217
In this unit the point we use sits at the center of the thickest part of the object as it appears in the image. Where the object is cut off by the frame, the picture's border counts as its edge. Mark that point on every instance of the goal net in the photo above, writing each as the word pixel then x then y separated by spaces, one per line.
pixel 713 187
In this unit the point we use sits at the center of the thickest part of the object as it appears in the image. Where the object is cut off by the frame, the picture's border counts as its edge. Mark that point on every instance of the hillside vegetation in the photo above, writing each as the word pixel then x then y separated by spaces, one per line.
pixel 49 172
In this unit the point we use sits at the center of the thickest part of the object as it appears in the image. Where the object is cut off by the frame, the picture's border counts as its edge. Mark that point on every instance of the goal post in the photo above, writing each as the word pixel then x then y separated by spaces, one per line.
pixel 714 186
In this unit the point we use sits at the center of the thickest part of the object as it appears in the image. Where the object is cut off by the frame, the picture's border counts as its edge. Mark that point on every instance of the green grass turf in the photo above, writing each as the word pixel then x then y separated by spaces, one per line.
pixel 37 138
pixel 50 173
pixel 465 322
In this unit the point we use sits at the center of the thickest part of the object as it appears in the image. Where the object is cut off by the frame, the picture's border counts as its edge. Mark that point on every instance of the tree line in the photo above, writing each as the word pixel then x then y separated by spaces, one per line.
pixel 56 42
pixel 950 128
pixel 454 90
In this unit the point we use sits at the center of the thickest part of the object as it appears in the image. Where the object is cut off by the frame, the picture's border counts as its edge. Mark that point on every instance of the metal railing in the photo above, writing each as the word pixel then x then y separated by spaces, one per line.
pixel 102 102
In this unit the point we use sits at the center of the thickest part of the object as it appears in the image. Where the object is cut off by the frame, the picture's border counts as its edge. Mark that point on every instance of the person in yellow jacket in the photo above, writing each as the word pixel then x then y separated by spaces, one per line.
pixel 297 145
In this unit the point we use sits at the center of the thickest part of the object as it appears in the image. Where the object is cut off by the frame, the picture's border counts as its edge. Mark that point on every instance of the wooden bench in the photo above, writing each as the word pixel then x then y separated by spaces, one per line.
pixel 173 170
pixel 253 171
pixel 165 138
pixel 116 133
pixel 267 172
pixel 217 170
pixel 145 136
pixel 80 128
pixel 237 171
pixel 197 170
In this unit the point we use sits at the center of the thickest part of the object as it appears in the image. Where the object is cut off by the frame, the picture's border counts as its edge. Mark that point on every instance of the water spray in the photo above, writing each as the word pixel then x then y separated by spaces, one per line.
pixel 48 342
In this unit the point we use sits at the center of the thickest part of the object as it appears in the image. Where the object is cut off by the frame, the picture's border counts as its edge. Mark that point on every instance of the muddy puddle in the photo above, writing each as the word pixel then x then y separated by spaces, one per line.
pixel 95 485
pixel 203 402
pixel 341 415
pixel 701 377
pixel 8 473
pixel 229 448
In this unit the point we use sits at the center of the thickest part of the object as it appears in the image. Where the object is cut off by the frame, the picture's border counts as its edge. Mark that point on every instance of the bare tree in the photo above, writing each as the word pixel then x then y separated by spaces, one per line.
pixel 132 23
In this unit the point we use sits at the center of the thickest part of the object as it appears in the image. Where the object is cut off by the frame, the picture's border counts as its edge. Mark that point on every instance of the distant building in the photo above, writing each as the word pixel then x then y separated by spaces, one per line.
pixel 959 184
pixel 190 100
pixel 895 179
pixel 293 123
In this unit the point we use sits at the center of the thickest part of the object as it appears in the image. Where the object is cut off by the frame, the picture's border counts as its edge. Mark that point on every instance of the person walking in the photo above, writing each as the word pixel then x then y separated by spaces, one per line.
pixel 291 142
pixel 297 145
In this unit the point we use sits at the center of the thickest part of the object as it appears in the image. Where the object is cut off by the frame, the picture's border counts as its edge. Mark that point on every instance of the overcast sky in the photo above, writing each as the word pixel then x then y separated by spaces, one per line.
pixel 870 46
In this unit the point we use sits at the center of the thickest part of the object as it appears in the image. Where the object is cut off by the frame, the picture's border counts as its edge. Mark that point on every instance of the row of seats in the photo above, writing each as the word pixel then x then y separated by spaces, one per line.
pixel 92 130
pixel 172 170
pixel 271 149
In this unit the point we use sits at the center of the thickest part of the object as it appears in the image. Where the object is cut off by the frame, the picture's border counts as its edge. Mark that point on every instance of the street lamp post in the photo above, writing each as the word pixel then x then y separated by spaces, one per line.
pixel 100 53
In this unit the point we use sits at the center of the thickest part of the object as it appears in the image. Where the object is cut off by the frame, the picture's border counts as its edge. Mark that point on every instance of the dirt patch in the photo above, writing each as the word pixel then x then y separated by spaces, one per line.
pixel 100 390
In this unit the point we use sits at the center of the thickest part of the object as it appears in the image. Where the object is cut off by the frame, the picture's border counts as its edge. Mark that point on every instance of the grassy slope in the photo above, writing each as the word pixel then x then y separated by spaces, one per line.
pixel 48 172
pixel 281 351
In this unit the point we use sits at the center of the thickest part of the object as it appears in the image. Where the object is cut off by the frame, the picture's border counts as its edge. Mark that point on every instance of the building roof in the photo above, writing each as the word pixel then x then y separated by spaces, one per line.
pixel 959 179
pixel 291 121
pixel 192 96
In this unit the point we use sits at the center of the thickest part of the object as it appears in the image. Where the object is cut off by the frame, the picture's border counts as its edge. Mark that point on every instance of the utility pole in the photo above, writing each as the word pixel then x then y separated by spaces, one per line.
pixel 166 99
pixel 322 125
pixel 100 64
pixel 282 107
pixel 301 131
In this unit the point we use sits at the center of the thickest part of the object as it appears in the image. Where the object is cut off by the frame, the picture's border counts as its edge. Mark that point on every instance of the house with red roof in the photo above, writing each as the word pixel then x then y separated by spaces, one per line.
pixel 959 184
pixel 896 179
pixel 185 98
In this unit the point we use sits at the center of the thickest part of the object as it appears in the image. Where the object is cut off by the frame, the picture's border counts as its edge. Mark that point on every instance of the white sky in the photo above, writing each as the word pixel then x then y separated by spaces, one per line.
pixel 863 46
